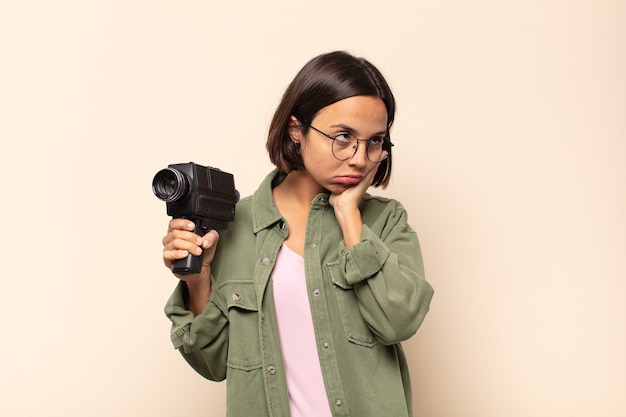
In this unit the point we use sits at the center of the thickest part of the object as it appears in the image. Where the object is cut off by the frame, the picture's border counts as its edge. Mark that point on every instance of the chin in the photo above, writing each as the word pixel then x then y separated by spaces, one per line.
pixel 338 188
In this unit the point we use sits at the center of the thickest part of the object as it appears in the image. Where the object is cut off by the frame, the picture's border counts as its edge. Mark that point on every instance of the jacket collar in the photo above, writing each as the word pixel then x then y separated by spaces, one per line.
pixel 264 211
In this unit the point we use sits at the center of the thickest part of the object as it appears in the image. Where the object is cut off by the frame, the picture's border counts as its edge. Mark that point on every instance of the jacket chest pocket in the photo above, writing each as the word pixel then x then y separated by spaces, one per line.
pixel 354 325
pixel 244 351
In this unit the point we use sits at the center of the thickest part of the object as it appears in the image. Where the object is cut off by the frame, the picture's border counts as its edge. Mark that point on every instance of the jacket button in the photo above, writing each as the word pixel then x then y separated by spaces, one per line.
pixel 265 261
pixel 338 403
pixel 316 292
pixel 236 297
pixel 271 370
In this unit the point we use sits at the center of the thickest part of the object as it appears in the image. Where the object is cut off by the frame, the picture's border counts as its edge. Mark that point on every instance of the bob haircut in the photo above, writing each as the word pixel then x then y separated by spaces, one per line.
pixel 324 80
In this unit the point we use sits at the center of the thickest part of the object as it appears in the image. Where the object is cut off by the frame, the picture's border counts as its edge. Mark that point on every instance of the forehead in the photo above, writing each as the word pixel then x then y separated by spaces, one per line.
pixel 358 112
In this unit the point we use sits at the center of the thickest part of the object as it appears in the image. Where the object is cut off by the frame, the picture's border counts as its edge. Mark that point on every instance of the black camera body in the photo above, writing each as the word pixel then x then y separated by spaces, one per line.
pixel 202 194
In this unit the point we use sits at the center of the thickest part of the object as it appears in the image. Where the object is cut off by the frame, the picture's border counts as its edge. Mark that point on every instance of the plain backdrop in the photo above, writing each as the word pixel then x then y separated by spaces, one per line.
pixel 510 158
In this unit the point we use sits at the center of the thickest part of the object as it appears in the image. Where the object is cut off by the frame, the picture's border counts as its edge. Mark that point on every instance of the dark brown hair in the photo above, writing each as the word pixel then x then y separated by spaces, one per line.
pixel 324 80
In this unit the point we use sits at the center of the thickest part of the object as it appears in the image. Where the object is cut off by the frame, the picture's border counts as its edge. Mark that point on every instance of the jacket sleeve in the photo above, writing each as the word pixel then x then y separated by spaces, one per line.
pixel 202 340
pixel 387 273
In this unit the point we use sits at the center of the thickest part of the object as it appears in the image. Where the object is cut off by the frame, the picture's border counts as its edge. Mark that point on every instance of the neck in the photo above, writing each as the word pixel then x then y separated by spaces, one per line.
pixel 299 187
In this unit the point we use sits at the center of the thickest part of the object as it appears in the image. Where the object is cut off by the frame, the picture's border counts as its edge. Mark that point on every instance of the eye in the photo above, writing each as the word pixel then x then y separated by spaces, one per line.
pixel 376 141
pixel 343 138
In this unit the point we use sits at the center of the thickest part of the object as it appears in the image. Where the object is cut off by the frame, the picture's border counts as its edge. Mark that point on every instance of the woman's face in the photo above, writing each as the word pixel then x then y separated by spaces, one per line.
pixel 364 117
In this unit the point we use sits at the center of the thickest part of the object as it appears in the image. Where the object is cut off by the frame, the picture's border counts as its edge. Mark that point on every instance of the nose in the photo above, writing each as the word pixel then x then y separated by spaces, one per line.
pixel 359 159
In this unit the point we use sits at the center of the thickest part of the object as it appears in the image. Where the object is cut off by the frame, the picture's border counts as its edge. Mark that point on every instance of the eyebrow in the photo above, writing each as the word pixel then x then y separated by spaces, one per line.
pixel 352 130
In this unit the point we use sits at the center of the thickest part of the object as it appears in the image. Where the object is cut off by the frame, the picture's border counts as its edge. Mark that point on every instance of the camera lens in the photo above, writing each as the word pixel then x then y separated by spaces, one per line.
pixel 170 185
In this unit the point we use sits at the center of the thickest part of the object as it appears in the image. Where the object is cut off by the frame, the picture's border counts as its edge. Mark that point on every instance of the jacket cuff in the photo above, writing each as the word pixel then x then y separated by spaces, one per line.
pixel 189 332
pixel 181 318
pixel 364 259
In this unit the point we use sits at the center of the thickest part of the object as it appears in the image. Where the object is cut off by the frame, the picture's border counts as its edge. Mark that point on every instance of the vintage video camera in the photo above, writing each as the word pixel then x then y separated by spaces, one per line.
pixel 204 195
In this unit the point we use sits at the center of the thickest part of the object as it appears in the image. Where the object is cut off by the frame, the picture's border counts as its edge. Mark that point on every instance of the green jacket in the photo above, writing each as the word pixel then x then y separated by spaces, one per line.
pixel 364 302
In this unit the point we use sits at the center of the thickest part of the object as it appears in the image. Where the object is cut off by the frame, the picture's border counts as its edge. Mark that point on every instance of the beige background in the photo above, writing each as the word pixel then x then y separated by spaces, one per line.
pixel 511 141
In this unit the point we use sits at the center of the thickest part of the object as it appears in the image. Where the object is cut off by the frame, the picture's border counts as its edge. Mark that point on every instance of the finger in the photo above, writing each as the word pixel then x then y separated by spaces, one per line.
pixel 169 257
pixel 192 247
pixel 181 224
pixel 210 239
pixel 181 235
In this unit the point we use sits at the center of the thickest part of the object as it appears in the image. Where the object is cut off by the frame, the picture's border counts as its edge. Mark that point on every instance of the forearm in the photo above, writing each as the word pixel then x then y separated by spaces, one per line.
pixel 198 294
pixel 388 279
pixel 201 339
pixel 351 226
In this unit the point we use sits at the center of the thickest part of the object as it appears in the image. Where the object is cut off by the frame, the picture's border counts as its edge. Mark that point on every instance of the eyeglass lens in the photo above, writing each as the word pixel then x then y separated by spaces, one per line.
pixel 344 149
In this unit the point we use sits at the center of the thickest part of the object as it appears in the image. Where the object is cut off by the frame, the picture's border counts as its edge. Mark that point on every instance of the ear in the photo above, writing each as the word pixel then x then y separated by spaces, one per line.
pixel 294 129
pixel 294 122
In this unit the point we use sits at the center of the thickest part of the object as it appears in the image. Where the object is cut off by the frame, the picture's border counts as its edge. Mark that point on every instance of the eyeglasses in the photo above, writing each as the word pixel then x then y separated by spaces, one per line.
pixel 345 146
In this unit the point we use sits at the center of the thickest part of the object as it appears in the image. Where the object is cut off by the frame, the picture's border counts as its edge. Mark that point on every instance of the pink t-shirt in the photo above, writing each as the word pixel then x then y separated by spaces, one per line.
pixel 307 394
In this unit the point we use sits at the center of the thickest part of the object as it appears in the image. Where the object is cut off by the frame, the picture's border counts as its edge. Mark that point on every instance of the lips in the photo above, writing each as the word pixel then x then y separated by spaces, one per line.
pixel 348 179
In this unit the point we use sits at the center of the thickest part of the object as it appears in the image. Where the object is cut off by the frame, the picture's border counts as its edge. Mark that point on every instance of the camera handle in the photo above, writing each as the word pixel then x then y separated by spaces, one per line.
pixel 192 263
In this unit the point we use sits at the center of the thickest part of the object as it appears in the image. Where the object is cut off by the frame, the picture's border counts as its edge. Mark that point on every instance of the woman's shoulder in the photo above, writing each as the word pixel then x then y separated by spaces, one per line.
pixel 257 210
pixel 383 212
pixel 381 203
pixel 244 203
pixel 243 209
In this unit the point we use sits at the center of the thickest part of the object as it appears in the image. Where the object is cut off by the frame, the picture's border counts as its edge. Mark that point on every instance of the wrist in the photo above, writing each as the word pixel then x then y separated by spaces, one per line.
pixel 198 293
pixel 351 226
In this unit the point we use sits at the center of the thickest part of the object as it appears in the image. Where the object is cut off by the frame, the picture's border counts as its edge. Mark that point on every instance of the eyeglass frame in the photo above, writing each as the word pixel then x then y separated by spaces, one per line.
pixel 386 140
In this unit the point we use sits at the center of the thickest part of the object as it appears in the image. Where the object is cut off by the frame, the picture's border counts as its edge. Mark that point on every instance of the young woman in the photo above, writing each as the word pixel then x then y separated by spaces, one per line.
pixel 303 303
